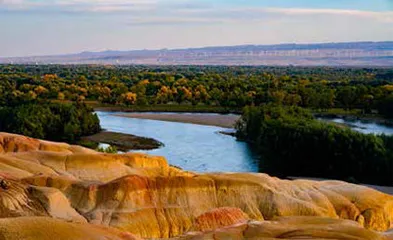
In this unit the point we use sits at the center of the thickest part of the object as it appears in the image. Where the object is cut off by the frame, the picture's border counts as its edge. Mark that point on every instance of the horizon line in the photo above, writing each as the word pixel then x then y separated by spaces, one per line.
pixel 195 48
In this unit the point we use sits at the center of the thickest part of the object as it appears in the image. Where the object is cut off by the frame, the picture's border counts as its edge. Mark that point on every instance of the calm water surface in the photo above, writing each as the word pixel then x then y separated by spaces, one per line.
pixel 201 148
pixel 189 146
pixel 364 126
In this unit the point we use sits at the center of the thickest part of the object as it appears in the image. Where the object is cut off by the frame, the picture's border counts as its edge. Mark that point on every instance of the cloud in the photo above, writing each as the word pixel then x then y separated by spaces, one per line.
pixel 253 15
pixel 84 5
pixel 193 8
pixel 386 16
pixel 170 12
pixel 173 21
pixel 105 6
pixel 39 27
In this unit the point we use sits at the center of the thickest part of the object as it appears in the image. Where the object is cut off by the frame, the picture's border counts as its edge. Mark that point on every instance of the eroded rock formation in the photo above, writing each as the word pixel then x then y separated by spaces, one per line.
pixel 86 194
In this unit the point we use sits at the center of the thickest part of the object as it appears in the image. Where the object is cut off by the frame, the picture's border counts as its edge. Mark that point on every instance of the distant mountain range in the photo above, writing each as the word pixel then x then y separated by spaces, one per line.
pixel 324 54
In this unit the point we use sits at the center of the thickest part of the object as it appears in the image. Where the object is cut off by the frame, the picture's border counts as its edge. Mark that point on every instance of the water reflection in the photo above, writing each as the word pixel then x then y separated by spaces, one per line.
pixel 363 126
pixel 189 146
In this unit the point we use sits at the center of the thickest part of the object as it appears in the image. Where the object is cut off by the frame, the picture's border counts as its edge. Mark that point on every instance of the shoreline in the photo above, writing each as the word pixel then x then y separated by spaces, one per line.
pixel 167 108
pixel 354 117
pixel 224 121
pixel 351 116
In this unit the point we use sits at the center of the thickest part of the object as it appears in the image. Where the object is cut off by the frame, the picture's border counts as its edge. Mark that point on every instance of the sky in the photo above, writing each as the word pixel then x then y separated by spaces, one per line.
pixel 47 27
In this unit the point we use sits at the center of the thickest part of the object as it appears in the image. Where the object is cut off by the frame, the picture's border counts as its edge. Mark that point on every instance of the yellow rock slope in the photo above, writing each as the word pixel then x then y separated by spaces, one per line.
pixel 81 194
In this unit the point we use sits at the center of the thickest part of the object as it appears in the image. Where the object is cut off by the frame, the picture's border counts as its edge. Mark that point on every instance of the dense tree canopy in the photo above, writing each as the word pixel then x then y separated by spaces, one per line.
pixel 293 143
pixel 58 122
pixel 230 87
pixel 276 122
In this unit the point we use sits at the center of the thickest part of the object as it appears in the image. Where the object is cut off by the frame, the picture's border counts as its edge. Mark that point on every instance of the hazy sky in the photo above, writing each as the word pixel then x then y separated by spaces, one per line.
pixel 41 27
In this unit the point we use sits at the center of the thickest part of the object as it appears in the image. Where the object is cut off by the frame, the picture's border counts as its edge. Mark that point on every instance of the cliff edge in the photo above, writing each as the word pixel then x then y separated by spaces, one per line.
pixel 59 191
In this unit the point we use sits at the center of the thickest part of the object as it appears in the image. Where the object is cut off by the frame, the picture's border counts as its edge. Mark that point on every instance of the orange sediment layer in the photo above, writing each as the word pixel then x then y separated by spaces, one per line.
pixel 80 192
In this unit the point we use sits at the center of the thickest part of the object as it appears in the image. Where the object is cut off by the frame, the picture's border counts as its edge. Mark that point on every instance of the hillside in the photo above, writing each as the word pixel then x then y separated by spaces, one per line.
pixel 58 191
pixel 328 54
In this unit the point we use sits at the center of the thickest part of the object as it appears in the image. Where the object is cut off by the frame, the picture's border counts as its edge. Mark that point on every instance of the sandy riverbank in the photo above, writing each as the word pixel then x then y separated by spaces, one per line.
pixel 225 121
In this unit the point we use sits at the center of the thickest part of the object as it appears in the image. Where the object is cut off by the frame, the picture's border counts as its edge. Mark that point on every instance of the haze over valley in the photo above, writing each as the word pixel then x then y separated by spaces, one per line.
pixel 328 54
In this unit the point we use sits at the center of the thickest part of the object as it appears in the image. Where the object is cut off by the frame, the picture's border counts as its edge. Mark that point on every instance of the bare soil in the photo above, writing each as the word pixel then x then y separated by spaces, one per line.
pixel 225 121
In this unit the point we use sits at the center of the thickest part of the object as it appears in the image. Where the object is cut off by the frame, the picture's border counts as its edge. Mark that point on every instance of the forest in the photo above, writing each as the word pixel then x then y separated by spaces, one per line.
pixel 55 102
pixel 369 90
pixel 50 121
pixel 293 143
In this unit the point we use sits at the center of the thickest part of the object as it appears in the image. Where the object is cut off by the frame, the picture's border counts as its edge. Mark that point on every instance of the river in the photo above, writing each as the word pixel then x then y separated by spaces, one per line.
pixel 363 126
pixel 202 148
pixel 189 146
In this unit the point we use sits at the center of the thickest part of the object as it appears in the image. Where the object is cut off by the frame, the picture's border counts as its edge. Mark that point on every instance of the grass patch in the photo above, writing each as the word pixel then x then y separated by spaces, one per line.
pixel 122 142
